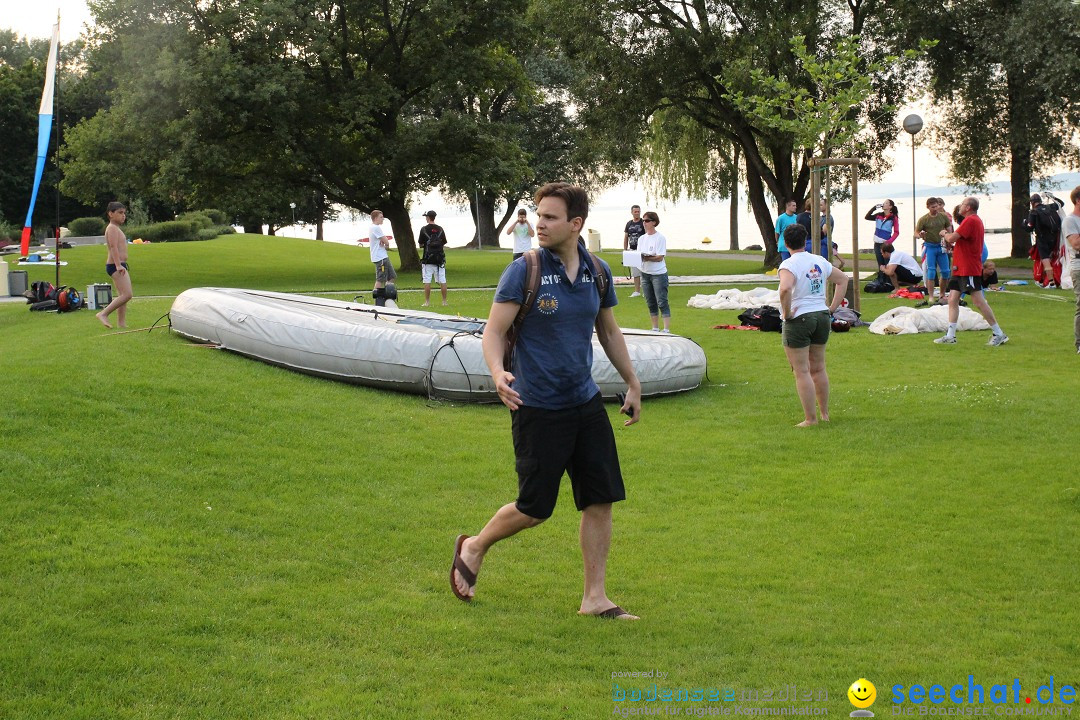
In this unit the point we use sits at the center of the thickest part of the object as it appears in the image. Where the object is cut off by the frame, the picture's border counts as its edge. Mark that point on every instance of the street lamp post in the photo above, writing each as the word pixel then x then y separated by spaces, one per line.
pixel 292 206
pixel 913 124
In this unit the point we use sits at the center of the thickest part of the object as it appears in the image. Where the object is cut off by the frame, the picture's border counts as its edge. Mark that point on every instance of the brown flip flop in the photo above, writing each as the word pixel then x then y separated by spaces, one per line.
pixel 466 574
pixel 612 613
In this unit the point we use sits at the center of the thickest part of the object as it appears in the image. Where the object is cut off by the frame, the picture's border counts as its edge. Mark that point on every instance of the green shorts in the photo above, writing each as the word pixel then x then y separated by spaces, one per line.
pixel 806 330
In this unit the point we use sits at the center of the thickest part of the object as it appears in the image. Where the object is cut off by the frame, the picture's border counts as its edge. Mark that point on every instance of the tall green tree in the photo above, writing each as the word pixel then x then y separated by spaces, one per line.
pixel 320 97
pixel 1002 77
pixel 693 58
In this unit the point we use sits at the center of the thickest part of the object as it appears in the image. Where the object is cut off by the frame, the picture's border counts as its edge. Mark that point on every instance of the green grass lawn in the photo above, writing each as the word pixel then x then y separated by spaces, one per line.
pixel 186 533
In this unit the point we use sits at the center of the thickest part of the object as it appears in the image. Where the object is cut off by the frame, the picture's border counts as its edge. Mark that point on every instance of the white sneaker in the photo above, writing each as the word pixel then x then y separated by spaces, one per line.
pixel 665 330
pixel 635 294
pixel 996 340
pixel 945 340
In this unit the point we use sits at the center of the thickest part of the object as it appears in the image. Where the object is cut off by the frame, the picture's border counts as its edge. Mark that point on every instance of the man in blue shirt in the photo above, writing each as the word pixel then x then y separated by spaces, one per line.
pixel 782 222
pixel 557 416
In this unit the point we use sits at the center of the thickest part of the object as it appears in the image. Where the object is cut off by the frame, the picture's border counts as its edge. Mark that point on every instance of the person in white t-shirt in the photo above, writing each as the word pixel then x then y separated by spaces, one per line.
pixel 808 320
pixel 899 267
pixel 379 243
pixel 654 275
pixel 1070 230
pixel 523 234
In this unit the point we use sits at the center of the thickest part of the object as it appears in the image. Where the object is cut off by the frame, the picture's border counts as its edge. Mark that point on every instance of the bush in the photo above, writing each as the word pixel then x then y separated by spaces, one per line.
pixel 207 234
pixel 171 231
pixel 11 233
pixel 226 230
pixel 87 227
pixel 218 216
pixel 201 219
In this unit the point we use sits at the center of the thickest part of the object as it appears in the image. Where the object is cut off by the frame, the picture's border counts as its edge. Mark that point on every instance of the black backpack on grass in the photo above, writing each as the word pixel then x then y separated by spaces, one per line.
pixel 40 291
pixel 765 318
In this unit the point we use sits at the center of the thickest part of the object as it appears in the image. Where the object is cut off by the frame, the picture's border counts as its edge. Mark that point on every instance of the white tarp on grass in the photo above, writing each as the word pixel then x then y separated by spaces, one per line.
pixel 909 320
pixel 736 299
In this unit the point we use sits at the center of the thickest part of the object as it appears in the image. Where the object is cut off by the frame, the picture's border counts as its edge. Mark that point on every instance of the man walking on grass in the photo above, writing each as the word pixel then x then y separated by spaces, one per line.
pixel 557 417
pixel 967 244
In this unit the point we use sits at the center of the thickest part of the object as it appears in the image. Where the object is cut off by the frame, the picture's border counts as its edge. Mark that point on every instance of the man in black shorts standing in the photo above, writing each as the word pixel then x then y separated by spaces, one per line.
pixel 558 419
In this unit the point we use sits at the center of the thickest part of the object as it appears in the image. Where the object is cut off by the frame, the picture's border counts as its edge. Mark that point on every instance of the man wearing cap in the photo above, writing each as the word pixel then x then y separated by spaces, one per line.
pixel 1044 220
pixel 433 264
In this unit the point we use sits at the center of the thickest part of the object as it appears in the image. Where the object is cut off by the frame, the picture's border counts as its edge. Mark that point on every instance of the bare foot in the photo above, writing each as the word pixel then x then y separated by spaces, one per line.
pixel 824 417
pixel 104 320
pixel 425 304
pixel 473 559
pixel 807 423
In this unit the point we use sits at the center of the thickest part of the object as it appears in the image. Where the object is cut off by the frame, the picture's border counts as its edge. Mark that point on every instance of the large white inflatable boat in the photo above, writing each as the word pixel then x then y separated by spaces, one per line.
pixel 406 350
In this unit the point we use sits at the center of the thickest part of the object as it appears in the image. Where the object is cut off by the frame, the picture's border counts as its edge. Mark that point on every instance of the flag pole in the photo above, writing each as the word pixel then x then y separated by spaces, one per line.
pixel 45 117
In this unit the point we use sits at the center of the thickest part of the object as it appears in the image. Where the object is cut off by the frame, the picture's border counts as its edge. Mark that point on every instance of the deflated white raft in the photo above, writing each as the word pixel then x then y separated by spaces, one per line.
pixel 406 350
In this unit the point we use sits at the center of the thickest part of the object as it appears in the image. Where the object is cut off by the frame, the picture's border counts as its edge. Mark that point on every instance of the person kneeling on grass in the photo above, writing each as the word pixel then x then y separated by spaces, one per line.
pixel 899 267
pixel 808 320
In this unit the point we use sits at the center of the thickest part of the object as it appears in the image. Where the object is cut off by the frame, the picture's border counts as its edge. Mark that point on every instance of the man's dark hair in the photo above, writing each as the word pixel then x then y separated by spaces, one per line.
pixel 1075 194
pixel 794 236
pixel 114 206
pixel 888 248
pixel 576 199
pixel 635 206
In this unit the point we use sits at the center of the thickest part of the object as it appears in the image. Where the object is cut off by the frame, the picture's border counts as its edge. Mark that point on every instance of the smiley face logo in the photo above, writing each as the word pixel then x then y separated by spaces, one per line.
pixel 862 693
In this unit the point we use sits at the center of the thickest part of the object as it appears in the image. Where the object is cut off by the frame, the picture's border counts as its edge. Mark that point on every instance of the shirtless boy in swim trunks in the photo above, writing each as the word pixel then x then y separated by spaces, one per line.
pixel 116 266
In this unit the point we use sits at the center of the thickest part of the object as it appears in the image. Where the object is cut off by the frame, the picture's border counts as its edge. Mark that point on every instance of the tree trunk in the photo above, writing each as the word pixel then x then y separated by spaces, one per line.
pixel 320 204
pixel 270 230
pixel 511 206
pixel 397 212
pixel 733 208
pixel 1020 177
pixel 482 206
pixel 764 218
pixel 253 226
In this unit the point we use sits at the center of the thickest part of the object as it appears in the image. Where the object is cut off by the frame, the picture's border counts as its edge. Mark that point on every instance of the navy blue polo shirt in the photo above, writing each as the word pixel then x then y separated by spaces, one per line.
pixel 553 357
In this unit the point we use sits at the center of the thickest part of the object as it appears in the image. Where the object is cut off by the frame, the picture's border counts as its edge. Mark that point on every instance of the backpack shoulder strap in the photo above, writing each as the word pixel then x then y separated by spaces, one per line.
pixel 532 286
pixel 599 276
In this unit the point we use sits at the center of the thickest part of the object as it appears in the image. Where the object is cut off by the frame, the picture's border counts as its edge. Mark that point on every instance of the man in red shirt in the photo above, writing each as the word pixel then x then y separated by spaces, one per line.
pixel 967 244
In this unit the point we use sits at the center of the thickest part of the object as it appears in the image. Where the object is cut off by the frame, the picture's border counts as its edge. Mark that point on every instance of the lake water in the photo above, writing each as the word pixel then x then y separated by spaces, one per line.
pixel 686 224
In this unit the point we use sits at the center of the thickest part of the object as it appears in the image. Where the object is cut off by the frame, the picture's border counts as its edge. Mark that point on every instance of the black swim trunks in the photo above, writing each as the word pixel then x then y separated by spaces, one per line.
pixel 110 268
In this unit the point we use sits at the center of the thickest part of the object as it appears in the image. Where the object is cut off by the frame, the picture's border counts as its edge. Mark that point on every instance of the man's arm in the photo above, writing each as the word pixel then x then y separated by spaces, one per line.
pixel 510 228
pixel 1074 241
pixel 499 321
pixel 625 240
pixel 611 339
pixel 532 233
pixel 840 279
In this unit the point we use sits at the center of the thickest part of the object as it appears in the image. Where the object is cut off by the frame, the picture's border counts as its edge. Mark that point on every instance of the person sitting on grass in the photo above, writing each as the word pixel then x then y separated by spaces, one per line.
pixel 899 267
pixel 808 320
